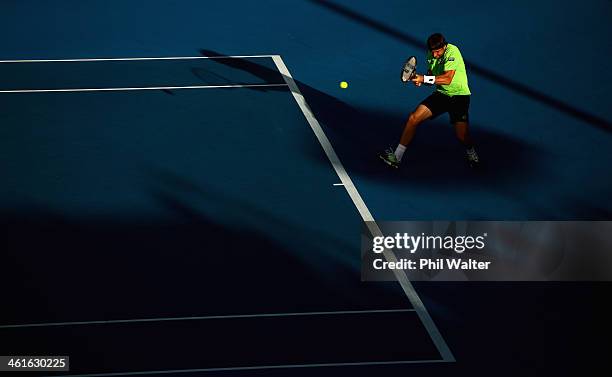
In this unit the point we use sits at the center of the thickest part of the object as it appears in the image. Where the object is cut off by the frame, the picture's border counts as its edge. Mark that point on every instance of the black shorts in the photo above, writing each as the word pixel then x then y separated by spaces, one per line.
pixel 457 107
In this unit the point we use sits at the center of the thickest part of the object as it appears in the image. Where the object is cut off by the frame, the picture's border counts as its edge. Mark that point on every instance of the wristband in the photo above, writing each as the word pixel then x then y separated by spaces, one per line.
pixel 429 79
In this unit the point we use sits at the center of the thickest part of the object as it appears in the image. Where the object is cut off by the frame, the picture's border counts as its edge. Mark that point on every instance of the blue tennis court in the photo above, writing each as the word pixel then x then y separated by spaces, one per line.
pixel 183 184
pixel 166 202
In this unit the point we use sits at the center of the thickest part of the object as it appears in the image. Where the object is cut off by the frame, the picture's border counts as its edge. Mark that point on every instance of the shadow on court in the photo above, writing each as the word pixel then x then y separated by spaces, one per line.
pixel 360 134
pixel 266 74
pixel 477 69
pixel 187 263
pixel 435 160
pixel 519 328
pixel 190 263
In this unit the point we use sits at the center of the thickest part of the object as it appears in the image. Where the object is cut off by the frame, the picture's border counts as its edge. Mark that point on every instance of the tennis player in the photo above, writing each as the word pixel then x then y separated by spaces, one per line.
pixel 446 71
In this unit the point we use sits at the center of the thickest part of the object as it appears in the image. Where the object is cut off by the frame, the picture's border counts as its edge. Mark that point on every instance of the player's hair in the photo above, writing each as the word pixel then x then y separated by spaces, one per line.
pixel 436 41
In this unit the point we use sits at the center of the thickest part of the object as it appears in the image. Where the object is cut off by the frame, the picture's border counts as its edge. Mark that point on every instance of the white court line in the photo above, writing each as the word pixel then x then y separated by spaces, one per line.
pixel 132 59
pixel 338 184
pixel 287 366
pixel 141 88
pixel 400 275
pixel 202 318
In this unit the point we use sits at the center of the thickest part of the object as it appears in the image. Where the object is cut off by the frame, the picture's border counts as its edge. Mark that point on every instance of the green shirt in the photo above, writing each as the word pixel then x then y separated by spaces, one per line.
pixel 451 60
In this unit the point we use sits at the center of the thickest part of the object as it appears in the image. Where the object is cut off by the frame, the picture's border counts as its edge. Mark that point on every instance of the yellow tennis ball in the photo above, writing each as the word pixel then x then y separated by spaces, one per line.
pixel 343 84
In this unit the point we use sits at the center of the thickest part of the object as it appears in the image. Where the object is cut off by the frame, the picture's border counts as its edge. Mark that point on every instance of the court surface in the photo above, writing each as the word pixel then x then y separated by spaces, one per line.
pixel 165 203
pixel 218 210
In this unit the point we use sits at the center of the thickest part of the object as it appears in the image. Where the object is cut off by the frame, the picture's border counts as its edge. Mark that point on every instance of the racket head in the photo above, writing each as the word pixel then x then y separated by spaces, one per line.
pixel 409 69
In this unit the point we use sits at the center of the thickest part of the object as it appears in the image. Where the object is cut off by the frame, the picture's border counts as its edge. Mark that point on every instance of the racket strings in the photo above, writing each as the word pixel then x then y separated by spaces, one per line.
pixel 409 69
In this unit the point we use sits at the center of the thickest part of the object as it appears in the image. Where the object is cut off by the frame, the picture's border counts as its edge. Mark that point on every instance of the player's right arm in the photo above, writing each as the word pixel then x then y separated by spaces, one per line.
pixel 420 82
pixel 444 79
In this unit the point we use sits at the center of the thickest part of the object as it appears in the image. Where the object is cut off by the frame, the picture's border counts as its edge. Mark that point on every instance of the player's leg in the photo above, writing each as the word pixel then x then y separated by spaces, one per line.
pixel 459 114
pixel 462 130
pixel 431 107
pixel 418 116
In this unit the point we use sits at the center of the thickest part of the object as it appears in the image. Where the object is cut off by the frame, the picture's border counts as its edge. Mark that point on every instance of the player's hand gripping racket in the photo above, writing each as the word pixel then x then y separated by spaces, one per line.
pixel 409 69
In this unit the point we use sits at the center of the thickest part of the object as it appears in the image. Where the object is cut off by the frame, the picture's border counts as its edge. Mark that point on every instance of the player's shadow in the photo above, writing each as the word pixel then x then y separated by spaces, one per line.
pixel 435 157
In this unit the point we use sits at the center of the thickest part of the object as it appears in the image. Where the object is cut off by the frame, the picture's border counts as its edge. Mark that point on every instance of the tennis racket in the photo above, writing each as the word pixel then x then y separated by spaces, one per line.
pixel 409 69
